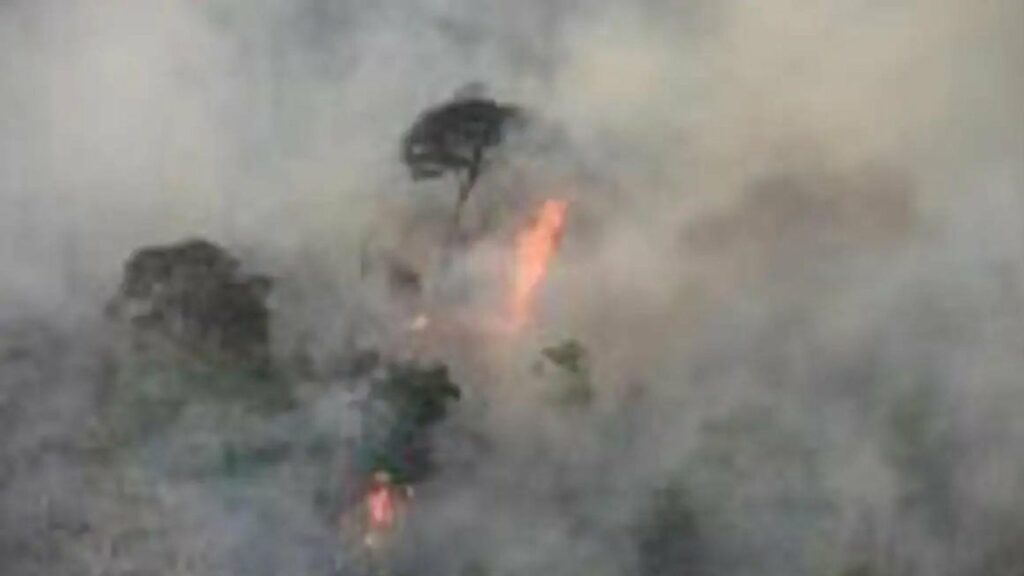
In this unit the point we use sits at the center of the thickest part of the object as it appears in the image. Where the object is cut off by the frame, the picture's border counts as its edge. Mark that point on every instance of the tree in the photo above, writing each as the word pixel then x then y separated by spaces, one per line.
pixel 194 293
pixel 405 401
pixel 455 138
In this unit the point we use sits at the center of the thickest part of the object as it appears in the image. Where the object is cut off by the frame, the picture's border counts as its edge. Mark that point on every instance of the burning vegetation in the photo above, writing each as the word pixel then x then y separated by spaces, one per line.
pixel 693 289
pixel 192 298
pixel 535 247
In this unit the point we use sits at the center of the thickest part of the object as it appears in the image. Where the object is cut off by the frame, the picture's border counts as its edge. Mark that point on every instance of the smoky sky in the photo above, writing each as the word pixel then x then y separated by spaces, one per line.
pixel 793 254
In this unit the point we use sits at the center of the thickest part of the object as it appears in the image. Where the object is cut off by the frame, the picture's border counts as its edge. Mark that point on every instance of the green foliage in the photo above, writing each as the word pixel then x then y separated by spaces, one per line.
pixel 405 401
pixel 419 395
pixel 148 393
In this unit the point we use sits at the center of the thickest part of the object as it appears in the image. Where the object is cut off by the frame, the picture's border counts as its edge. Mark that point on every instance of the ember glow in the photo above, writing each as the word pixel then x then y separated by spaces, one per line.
pixel 534 249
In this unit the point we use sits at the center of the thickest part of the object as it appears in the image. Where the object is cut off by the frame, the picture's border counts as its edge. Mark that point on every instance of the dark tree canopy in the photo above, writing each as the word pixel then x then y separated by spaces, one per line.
pixel 194 292
pixel 405 402
pixel 454 137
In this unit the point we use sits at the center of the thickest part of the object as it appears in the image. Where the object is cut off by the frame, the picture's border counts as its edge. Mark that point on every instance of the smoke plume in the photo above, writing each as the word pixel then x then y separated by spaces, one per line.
pixel 791 265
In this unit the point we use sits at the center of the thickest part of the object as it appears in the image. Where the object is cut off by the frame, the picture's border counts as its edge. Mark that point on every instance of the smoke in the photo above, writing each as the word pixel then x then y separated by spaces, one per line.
pixel 792 254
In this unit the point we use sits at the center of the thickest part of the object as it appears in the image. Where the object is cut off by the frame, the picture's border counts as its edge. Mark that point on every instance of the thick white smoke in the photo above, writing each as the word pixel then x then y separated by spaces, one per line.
pixel 793 256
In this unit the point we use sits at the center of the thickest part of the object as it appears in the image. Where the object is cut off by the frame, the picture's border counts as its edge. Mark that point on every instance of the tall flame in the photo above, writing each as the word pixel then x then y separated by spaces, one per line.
pixel 535 247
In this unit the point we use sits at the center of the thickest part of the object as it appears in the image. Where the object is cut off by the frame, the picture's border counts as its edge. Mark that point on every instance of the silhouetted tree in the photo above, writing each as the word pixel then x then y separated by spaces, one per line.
pixel 194 292
pixel 455 137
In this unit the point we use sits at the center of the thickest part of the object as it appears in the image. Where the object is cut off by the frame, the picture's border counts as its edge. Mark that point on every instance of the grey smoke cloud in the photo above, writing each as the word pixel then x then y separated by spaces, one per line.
pixel 793 255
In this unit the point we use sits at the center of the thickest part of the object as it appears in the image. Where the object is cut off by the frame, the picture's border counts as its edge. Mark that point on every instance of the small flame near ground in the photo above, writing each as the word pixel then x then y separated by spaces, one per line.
pixel 385 503
pixel 381 507
pixel 535 246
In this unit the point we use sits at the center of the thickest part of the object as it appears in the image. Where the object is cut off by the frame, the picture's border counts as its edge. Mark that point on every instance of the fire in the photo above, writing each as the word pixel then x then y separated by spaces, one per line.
pixel 381 507
pixel 535 247
pixel 386 502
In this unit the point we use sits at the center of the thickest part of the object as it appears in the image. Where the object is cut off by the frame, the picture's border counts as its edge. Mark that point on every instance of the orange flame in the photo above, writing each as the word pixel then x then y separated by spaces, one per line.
pixel 535 247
